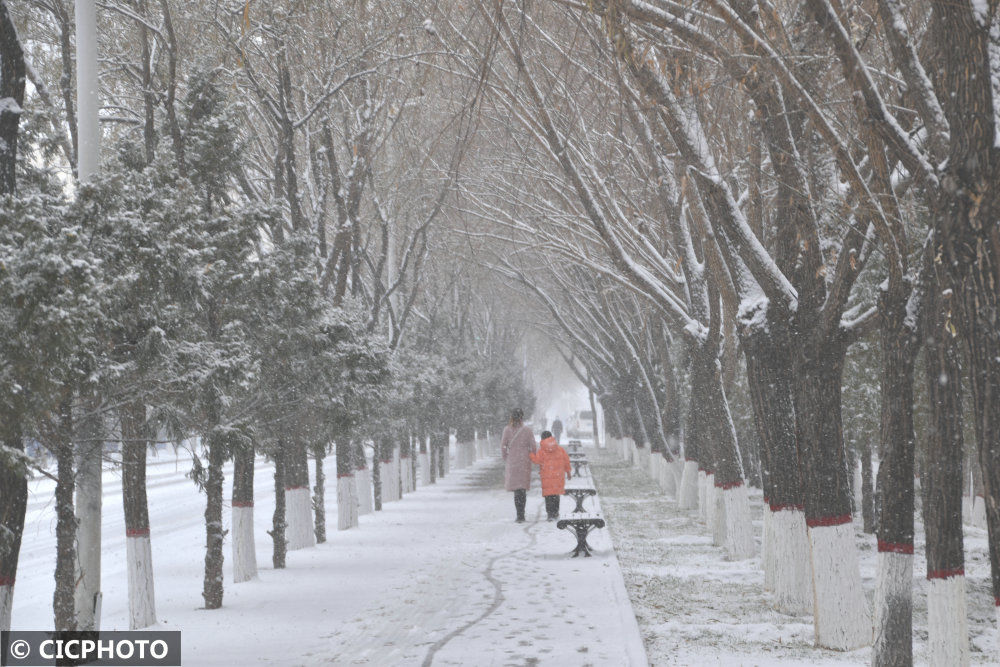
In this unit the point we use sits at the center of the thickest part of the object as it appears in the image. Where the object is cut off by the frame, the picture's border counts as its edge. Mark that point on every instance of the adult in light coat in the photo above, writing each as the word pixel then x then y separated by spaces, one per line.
pixel 517 444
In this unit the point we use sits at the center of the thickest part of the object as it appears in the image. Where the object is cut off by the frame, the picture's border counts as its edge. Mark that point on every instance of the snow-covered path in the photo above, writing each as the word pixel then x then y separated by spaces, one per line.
pixel 442 577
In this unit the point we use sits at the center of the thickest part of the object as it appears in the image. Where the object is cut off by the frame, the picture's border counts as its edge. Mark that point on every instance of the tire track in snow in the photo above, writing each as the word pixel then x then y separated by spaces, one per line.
pixel 498 597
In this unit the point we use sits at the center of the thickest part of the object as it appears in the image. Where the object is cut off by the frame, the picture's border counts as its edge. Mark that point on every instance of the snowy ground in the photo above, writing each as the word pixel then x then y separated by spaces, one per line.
pixel 696 608
pixel 442 577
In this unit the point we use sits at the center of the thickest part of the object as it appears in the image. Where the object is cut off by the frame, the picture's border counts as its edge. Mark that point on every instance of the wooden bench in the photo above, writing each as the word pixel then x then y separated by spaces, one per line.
pixel 576 463
pixel 581 527
pixel 579 495
pixel 574 446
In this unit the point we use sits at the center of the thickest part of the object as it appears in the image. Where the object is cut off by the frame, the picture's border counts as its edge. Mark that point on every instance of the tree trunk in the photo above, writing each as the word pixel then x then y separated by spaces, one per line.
pixel 139 554
pixel 13 505
pixel 244 547
pixel 319 493
pixel 786 557
pixel 214 534
pixel 867 488
pixel 842 619
pixel 596 426
pixel 363 478
pixel 965 219
pixel 947 623
pixel 894 589
pixel 297 498
pixel 378 465
pixel 63 603
pixel 12 73
pixel 689 495
pixel 441 452
pixel 732 522
pixel 347 488
pixel 405 464
pixel 432 460
pixel 278 525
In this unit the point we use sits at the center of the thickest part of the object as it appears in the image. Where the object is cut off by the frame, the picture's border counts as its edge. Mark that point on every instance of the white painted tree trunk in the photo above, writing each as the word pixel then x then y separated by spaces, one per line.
pixel 366 503
pixel 6 603
pixel 405 473
pixel 841 617
pixel 707 506
pixel 141 603
pixel 791 572
pixel 739 540
pixel 716 512
pixel 767 550
pixel 688 497
pixel 88 556
pixel 893 589
pixel 244 547
pixel 424 466
pixel 947 622
pixel 702 495
pixel 300 526
pixel 347 502
pixel 397 474
pixel 386 470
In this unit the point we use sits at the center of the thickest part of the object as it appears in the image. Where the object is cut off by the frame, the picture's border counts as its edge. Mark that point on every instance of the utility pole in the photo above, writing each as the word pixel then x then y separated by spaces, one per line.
pixel 88 448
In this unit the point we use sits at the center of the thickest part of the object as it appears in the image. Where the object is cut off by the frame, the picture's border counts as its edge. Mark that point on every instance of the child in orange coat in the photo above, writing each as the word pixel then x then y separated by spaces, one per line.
pixel 554 463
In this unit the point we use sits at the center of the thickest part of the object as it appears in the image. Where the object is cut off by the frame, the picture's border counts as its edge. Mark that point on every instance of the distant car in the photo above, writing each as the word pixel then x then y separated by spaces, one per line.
pixel 581 424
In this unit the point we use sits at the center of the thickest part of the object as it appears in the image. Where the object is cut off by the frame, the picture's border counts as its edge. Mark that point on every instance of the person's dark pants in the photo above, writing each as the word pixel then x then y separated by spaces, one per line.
pixel 552 506
pixel 520 498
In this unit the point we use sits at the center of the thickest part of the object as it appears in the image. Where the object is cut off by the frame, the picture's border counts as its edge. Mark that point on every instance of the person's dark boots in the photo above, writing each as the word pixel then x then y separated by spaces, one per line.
pixel 520 499
pixel 552 507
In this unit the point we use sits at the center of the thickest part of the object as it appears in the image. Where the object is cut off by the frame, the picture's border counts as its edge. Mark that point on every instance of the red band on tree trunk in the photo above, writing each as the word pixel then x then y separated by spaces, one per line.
pixel 777 507
pixel 242 503
pixel 6 581
pixel 725 486
pixel 997 601
pixel 686 458
pixel 946 574
pixel 344 474
pixel 404 456
pixel 295 488
pixel 137 532
pixel 895 547
pixel 825 521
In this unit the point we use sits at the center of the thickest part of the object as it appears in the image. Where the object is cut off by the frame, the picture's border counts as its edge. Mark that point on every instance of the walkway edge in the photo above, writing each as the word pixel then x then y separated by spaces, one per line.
pixel 634 646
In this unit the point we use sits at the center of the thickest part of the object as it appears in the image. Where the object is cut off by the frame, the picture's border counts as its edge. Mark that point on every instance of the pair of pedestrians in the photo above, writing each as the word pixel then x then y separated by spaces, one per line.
pixel 519 451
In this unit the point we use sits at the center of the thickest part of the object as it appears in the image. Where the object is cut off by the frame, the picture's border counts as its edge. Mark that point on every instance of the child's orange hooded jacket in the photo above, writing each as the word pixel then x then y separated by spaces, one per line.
pixel 554 463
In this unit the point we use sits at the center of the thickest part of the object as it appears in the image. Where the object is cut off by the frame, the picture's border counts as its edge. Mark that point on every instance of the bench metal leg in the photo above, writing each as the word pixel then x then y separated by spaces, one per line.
pixel 581 541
